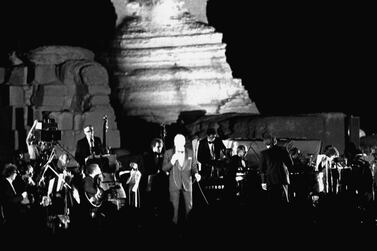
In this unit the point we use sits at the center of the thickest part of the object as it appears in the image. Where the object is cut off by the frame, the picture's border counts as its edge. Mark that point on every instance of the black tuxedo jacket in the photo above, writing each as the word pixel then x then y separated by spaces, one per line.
pixel 204 154
pixel 274 166
pixel 10 201
pixel 83 149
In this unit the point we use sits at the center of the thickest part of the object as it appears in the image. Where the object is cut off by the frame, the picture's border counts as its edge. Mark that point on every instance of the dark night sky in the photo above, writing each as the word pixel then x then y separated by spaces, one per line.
pixel 293 58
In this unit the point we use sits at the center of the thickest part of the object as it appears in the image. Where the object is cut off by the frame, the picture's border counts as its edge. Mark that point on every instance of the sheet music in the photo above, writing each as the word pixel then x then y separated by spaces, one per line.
pixel 59 185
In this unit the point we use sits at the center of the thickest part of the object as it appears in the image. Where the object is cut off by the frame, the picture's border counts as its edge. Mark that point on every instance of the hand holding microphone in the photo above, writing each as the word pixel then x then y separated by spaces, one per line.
pixel 264 186
pixel 174 158
pixel 198 177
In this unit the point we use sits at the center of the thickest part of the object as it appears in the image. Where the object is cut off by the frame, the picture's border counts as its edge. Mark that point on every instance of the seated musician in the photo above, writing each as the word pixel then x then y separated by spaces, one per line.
pixel 209 154
pixel 93 198
pixel 55 192
pixel 328 168
pixel 237 165
pixel 89 147
pixel 11 199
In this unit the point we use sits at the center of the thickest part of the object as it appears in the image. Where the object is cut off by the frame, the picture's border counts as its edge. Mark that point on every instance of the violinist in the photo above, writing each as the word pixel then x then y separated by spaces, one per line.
pixel 57 187
pixel 25 181
pixel 56 191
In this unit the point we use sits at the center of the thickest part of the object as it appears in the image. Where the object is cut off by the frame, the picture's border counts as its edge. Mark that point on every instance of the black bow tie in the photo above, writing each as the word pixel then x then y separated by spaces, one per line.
pixel 210 142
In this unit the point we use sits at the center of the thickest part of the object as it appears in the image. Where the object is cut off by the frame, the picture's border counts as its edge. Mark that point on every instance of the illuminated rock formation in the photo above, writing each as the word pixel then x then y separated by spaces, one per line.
pixel 196 7
pixel 165 62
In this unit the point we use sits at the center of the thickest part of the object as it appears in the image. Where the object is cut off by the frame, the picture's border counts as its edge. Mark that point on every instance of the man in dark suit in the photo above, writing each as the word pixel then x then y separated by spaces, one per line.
pixel 12 201
pixel 89 147
pixel 275 164
pixel 181 165
pixel 92 202
pixel 209 154
pixel 154 182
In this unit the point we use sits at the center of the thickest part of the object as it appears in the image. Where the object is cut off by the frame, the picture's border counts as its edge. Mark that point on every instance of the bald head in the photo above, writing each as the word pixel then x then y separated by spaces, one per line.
pixel 179 141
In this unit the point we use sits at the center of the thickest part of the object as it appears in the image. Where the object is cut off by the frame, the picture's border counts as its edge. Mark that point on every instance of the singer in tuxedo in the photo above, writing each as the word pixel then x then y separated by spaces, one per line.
pixel 182 167
pixel 88 147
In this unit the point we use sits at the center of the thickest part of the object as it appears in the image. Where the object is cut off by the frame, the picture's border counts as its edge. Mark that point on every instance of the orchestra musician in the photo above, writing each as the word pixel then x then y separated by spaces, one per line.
pixel 56 191
pixel 236 167
pixel 275 163
pixel 92 196
pixel 327 169
pixel 89 147
pixel 154 182
pixel 12 200
pixel 209 154
pixel 25 179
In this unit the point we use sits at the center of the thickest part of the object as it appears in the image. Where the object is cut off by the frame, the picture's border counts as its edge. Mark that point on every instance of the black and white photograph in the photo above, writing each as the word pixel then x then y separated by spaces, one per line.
pixel 206 122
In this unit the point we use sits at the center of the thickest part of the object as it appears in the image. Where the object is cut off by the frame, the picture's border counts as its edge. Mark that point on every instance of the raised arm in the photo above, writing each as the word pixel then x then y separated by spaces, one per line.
pixel 31 133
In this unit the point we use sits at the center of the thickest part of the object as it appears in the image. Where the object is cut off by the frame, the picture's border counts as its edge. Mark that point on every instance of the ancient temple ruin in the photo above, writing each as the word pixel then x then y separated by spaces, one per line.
pixel 59 82
pixel 165 62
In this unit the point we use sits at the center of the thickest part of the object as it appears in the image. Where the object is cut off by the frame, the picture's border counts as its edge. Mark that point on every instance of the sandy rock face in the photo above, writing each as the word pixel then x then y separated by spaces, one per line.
pixel 165 61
